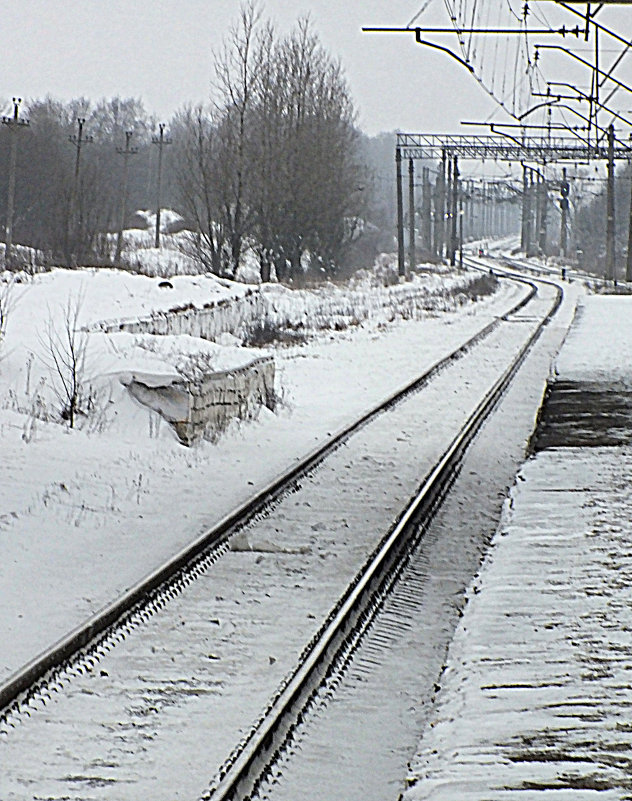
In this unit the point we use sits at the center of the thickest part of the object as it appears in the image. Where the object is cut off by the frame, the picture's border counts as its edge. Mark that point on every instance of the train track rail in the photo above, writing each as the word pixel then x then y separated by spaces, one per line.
pixel 126 611
pixel 526 266
pixel 239 775
pixel 251 762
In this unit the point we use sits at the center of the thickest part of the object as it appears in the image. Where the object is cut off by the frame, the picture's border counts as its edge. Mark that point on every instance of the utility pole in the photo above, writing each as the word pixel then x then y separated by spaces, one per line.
pixel 440 208
pixel 526 210
pixel 126 152
pixel 544 199
pixel 538 211
pixel 610 244
pixel 448 212
pixel 564 191
pixel 426 211
pixel 470 209
pixel 77 140
pixel 401 266
pixel 411 214
pixel 535 212
pixel 455 211
pixel 161 141
pixel 461 215
pixel 628 261
pixel 14 124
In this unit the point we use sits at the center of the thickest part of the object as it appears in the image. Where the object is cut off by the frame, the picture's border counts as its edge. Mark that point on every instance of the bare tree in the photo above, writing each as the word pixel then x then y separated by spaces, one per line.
pixel 273 163
pixel 6 306
pixel 198 185
pixel 236 68
pixel 66 345
pixel 315 171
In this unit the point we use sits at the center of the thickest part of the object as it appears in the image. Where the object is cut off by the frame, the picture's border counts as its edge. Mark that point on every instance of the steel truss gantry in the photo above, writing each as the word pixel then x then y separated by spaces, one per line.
pixel 450 149
pixel 542 150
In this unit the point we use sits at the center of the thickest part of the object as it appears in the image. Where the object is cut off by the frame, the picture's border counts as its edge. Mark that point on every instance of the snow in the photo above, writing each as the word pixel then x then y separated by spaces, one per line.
pixel 364 742
pixel 535 693
pixel 599 347
pixel 118 495
pixel 251 614
pixel 537 685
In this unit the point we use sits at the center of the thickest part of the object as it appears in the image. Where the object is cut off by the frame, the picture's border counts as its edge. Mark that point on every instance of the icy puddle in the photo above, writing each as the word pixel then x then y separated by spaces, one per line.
pixel 537 693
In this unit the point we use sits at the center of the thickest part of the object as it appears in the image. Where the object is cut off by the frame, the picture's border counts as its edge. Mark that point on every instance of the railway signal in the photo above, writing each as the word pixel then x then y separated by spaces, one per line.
pixel 564 192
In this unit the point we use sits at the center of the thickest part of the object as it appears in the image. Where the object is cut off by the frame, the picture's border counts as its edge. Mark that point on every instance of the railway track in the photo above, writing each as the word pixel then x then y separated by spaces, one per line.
pixel 371 710
pixel 25 681
pixel 87 649
pixel 525 266
pixel 252 762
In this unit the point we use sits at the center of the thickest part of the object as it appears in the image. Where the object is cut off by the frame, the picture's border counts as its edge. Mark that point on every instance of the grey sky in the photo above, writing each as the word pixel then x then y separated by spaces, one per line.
pixel 160 50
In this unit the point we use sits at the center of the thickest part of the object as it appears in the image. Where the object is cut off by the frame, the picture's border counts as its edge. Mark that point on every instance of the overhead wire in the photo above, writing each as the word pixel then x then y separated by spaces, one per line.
pixel 419 13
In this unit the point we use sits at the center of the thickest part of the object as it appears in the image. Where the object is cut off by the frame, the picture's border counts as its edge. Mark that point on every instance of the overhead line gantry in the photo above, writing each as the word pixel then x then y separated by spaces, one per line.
pixel 522 148
pixel 543 150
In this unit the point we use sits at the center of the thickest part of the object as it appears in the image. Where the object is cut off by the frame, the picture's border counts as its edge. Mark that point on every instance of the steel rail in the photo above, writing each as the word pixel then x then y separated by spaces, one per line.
pixel 31 678
pixel 239 776
pixel 525 264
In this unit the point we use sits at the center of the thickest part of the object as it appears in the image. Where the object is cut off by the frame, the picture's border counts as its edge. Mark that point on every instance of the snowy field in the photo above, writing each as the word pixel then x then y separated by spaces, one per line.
pixel 536 694
pixel 86 512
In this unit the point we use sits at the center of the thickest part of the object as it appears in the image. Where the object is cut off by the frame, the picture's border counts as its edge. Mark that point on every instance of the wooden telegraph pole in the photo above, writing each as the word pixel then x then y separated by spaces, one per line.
pixel 161 141
pixel 14 124
pixel 126 152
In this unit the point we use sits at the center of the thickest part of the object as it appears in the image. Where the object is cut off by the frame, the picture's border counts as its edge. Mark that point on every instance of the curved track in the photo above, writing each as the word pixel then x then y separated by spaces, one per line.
pixel 170 577
pixel 251 762
pixel 55 670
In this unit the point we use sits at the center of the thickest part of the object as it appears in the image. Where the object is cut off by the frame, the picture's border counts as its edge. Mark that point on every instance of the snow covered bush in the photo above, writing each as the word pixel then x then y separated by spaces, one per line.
pixel 5 294
pixel 6 305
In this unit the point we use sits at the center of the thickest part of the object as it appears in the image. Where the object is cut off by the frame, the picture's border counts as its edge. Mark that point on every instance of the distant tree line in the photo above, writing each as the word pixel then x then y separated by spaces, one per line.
pixel 57 210
pixel 590 219
pixel 273 164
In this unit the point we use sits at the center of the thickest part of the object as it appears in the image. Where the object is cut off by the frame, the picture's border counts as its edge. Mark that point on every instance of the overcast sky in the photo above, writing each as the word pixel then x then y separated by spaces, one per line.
pixel 160 51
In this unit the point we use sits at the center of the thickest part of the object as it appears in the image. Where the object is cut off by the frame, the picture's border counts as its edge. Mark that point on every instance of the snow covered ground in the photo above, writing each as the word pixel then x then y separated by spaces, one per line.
pixel 187 686
pixel 85 513
pixel 536 693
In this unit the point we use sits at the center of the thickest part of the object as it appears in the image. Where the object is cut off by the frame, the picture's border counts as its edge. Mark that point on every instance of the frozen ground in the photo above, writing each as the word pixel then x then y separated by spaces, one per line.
pixel 535 698
pixel 86 513
pixel 184 689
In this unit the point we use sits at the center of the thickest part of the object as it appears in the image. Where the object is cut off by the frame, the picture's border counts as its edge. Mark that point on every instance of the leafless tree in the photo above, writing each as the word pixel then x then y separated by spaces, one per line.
pixel 197 156
pixel 309 117
pixel 65 346
pixel 272 163
pixel 236 68
pixel 6 306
